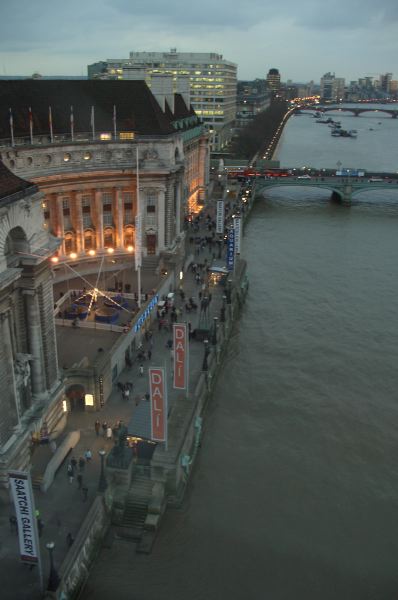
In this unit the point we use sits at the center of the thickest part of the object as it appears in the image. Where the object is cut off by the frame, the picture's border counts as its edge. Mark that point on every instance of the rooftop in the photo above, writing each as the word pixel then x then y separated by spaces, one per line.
pixel 10 184
pixel 132 102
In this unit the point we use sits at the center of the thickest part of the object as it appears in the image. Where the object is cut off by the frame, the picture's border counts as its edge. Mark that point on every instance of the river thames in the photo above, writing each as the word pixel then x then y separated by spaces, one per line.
pixel 295 490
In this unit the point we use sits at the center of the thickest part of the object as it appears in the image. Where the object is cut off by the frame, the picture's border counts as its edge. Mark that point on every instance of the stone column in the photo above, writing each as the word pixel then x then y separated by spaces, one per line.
pixel 60 227
pixel 35 341
pixel 9 413
pixel 161 219
pixel 78 225
pixel 99 220
pixel 178 208
pixel 118 218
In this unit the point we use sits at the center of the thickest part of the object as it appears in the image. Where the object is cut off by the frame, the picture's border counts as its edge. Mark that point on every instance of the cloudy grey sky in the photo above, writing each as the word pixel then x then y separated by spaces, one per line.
pixel 303 38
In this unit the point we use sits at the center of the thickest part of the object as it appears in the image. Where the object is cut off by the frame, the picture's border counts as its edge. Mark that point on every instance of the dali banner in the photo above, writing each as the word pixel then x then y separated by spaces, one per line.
pixel 181 349
pixel 158 398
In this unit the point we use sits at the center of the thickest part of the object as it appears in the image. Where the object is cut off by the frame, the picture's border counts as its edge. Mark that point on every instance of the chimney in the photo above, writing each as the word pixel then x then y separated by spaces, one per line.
pixel 183 88
pixel 162 89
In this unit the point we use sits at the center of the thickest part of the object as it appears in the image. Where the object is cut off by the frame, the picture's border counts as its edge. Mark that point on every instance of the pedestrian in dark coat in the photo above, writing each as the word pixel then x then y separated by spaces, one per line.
pixel 97 427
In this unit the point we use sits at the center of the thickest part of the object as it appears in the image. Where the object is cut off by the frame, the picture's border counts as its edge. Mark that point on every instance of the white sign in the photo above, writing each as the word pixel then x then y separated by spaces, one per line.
pixel 26 520
pixel 238 230
pixel 138 246
pixel 220 217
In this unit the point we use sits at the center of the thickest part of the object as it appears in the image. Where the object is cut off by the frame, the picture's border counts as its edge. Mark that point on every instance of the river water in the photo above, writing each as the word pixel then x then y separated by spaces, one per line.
pixel 295 491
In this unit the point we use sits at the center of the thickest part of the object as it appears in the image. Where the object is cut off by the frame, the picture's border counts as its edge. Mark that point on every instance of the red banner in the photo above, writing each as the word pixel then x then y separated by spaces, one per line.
pixel 158 394
pixel 180 347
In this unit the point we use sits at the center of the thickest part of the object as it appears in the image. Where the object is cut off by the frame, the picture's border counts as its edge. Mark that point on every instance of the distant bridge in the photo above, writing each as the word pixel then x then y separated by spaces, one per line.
pixel 355 111
pixel 344 188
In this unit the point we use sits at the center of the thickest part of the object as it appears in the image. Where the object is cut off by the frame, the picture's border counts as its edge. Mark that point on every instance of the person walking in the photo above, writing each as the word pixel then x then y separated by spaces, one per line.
pixel 141 370
pixel 85 493
pixel 97 427
pixel 73 462
pixel 70 473
pixel 104 428
pixel 69 539
pixel 82 463
pixel 79 481
pixel 87 455
pixel 109 433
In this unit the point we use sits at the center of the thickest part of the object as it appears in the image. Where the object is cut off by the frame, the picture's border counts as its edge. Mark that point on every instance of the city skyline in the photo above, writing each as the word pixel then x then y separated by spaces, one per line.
pixel 299 40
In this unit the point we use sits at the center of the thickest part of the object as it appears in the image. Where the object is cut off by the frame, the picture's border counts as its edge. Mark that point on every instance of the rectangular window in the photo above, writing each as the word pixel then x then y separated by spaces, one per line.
pixel 65 203
pixel 107 197
pixel 108 218
pixel 87 222
pixel 128 217
pixel 86 200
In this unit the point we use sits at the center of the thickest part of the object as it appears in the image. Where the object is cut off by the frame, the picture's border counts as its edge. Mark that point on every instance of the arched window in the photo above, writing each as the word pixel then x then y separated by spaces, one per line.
pixel 108 237
pixel 89 239
pixel 69 242
pixel 129 236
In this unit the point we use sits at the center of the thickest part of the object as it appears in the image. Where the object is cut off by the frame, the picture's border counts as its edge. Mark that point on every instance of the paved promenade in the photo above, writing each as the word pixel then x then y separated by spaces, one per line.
pixel 64 507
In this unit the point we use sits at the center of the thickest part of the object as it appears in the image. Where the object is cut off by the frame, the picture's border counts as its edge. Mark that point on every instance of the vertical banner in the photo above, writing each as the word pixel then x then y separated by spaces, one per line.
pixel 21 489
pixel 220 217
pixel 181 349
pixel 238 231
pixel 158 395
pixel 231 249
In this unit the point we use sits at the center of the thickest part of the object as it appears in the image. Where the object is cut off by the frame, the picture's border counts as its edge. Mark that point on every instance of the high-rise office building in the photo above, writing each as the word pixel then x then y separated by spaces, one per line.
pixel 273 80
pixel 212 80
pixel 332 87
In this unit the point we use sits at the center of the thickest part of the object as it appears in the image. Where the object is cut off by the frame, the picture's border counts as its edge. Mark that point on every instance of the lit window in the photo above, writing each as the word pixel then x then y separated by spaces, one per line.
pixel 126 135
pixel 87 156
pixel 67 157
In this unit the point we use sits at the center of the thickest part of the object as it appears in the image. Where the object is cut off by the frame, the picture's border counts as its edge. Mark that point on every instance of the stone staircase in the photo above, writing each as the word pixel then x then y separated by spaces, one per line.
pixel 136 508
pixel 150 263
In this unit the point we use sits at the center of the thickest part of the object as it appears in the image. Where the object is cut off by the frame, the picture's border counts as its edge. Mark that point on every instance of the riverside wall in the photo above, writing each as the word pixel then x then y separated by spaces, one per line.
pixel 171 468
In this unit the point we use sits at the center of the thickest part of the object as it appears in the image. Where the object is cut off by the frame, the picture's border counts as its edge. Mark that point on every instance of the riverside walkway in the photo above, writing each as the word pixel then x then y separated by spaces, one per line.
pixel 63 507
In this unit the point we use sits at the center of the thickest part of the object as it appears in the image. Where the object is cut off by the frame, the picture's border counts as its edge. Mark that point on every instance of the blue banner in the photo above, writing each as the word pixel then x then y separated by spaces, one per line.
pixel 231 249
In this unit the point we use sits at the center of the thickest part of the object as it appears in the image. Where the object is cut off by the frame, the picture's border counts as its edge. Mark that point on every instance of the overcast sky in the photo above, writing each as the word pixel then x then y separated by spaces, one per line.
pixel 302 38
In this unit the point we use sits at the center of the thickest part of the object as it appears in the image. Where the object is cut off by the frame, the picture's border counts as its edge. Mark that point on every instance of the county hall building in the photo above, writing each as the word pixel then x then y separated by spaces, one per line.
pixel 80 161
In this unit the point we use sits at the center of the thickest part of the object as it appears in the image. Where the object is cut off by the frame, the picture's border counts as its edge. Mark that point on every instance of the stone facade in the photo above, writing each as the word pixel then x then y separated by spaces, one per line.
pixel 32 391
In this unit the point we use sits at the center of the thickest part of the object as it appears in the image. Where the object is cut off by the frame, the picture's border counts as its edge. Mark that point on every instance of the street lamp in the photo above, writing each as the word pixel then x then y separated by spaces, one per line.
pixel 214 335
pixel 53 578
pixel 205 366
pixel 102 485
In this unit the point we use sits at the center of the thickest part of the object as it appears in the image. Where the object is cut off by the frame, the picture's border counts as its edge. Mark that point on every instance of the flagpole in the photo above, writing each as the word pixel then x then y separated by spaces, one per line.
pixel 72 124
pixel 114 121
pixel 50 120
pixel 138 233
pixel 31 125
pixel 92 122
pixel 12 128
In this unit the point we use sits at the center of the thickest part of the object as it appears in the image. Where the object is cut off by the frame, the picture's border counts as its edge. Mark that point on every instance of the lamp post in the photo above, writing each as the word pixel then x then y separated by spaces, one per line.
pixel 53 578
pixel 214 334
pixel 102 485
pixel 205 366
pixel 222 311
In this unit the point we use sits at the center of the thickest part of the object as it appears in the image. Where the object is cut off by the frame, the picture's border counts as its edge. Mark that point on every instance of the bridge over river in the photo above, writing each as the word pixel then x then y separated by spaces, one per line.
pixel 344 188
pixel 356 111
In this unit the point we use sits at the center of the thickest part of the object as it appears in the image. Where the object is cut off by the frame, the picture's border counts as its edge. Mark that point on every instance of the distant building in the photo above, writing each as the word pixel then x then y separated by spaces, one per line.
pixel 212 81
pixel 273 80
pixel 253 97
pixel 384 84
pixel 332 88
